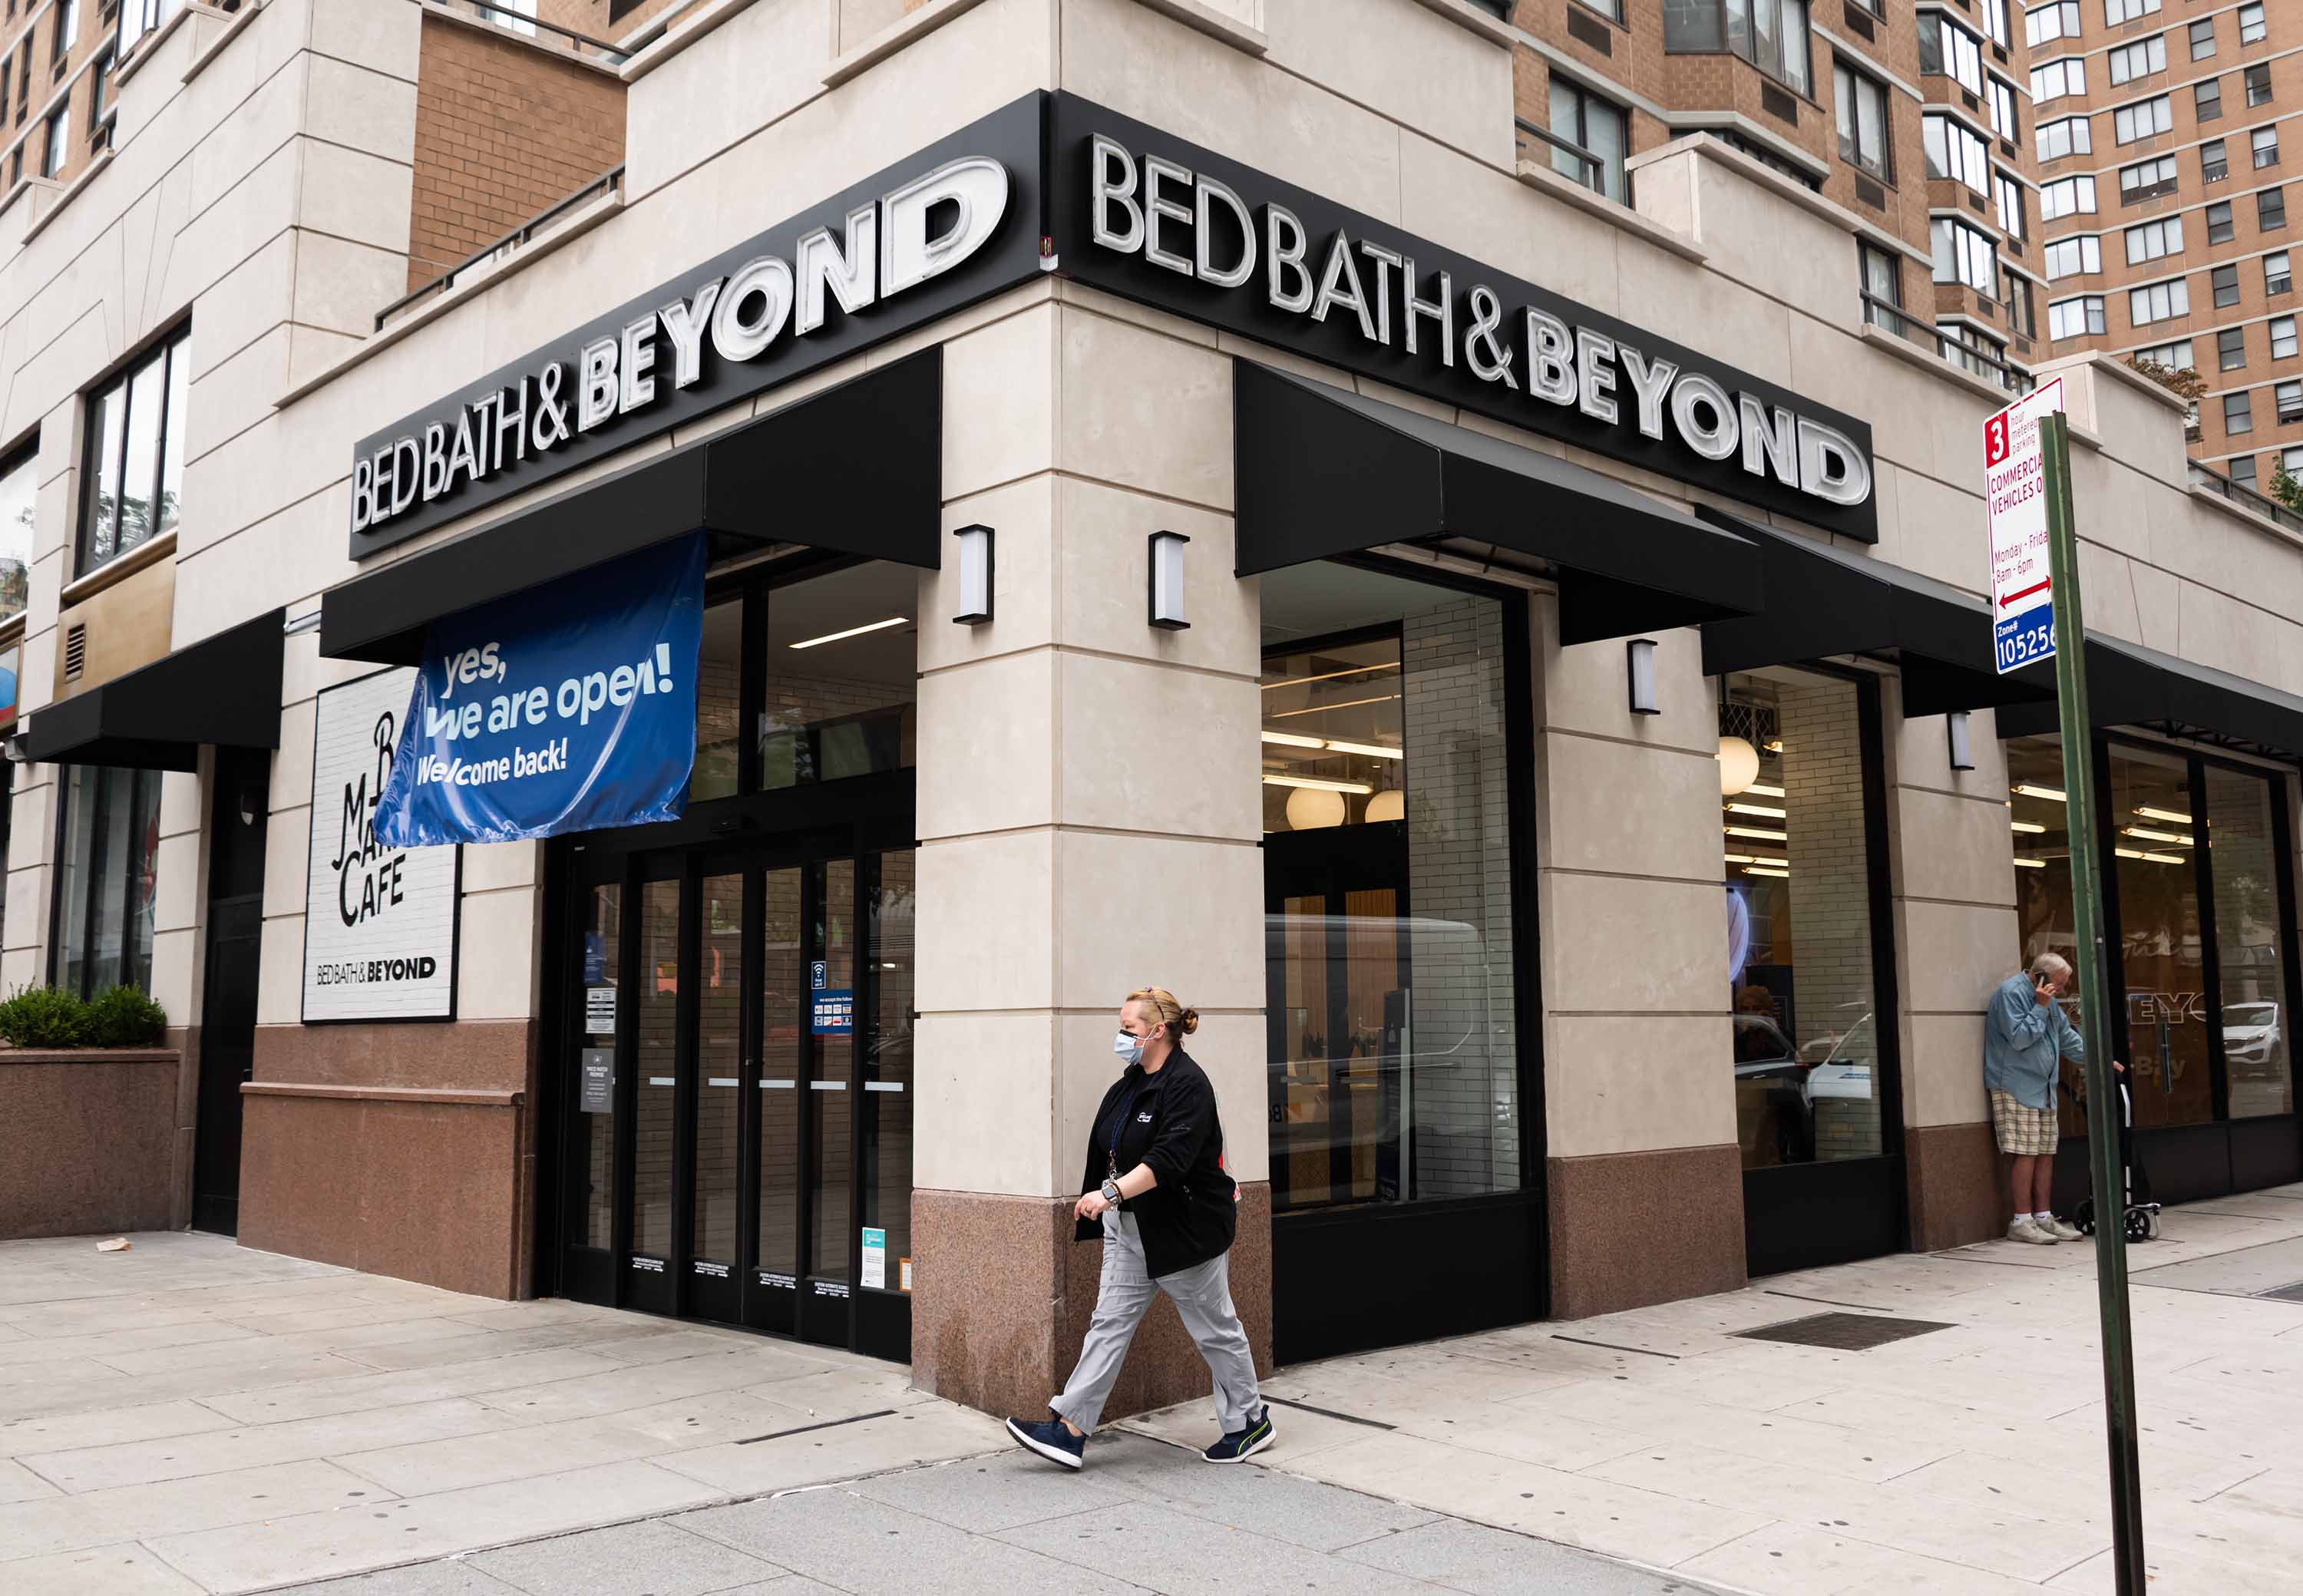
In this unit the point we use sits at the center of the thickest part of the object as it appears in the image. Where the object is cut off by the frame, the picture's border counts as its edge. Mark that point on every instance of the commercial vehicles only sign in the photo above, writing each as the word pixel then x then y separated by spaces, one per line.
pixel 2015 502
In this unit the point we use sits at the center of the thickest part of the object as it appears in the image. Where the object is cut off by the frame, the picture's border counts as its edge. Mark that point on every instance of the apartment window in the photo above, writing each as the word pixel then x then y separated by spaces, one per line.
pixel 136 455
pixel 2239 413
pixel 2207 99
pixel 111 847
pixel 2147 180
pixel 2288 397
pixel 2022 315
pixel 2143 120
pixel 1964 254
pixel 1995 22
pixel 1861 103
pixel 2230 349
pixel 2074 256
pixel 2276 277
pixel 1955 151
pixel 2251 27
pixel 2258 83
pixel 1948 50
pixel 2073 318
pixel 2153 240
pixel 1883 280
pixel 2219 223
pixel 2158 301
pixel 2002 98
pixel 2044 24
pixel 1585 120
pixel 2067 197
pixel 2069 136
pixel 68 29
pixel 100 79
pixel 2225 279
pixel 140 17
pixel 2264 144
pixel 2057 78
pixel 2203 38
pixel 2139 59
pixel 2242 470
pixel 52 159
pixel 2011 206
pixel 2282 337
pixel 2291 461
pixel 1993 350
pixel 1772 35
pixel 2116 12
pixel 2174 357
pixel 2271 209
pixel 2215 162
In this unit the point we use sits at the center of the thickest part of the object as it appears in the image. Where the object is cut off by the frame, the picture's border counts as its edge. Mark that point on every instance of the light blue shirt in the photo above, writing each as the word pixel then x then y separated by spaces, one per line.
pixel 2021 1040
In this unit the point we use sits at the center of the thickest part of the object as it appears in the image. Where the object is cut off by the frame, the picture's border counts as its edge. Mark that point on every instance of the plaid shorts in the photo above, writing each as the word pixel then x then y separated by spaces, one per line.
pixel 2024 1131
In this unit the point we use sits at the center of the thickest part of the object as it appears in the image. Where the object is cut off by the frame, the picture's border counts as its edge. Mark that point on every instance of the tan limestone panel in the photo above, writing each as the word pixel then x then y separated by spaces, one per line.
pixel 988 745
pixel 1958 848
pixel 2111 498
pixel 1635 1083
pixel 383 39
pixel 1942 1070
pixel 1957 952
pixel 1023 574
pixel 1407 63
pixel 175 971
pixel 986 923
pixel 1730 323
pixel 755 70
pixel 1920 750
pixel 1869 383
pixel 352 106
pixel 1586 686
pixel 2227 634
pixel 1101 579
pixel 1152 749
pixel 1144 411
pixel 1494 218
pixel 986 1116
pixel 1622 809
pixel 1791 253
pixel 1615 945
pixel 999 402
pixel 1190 910
pixel 496 973
pixel 1941 529
pixel 1229 1047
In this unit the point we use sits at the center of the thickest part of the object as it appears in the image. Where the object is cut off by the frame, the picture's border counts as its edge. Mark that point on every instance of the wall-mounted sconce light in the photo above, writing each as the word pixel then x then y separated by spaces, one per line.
pixel 974 575
pixel 1963 757
pixel 1640 658
pixel 1167 580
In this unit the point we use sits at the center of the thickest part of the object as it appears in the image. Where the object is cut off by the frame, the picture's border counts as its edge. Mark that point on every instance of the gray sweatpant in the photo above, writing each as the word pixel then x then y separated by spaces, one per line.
pixel 1202 1299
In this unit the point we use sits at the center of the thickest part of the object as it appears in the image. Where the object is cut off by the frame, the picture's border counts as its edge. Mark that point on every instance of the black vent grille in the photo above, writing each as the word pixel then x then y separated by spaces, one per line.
pixel 1775 102
pixel 1871 193
pixel 75 650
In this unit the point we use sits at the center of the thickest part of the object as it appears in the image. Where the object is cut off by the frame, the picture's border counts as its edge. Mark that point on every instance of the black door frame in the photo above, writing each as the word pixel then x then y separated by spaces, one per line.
pixel 1450 1265
pixel 1835 1210
pixel 231 934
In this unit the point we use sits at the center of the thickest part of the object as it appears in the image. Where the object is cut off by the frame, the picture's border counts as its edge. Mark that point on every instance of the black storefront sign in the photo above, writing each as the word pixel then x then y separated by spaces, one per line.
pixel 1055 183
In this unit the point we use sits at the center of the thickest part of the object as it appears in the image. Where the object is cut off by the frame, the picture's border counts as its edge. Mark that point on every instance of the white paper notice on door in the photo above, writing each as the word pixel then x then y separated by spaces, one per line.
pixel 600 1011
pixel 876 1260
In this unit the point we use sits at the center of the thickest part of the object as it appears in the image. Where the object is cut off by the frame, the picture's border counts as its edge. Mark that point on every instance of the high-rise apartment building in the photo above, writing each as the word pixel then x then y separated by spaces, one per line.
pixel 1918 124
pixel 2162 172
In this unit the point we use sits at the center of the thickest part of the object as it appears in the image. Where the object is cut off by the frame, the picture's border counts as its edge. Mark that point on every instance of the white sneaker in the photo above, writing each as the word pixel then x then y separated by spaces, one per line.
pixel 2061 1228
pixel 2026 1229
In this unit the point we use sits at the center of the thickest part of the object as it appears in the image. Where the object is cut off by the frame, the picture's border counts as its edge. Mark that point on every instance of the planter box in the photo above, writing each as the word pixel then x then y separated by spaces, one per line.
pixel 88 1140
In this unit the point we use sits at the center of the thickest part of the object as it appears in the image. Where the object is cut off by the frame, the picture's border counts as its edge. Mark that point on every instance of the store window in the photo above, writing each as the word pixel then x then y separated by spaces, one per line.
pixel 104 879
pixel 2192 918
pixel 1800 909
pixel 1390 893
pixel 841 669
pixel 19 495
pixel 135 472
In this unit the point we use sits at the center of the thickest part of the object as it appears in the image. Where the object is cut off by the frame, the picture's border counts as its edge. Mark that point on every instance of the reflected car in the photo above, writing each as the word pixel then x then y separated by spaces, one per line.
pixel 2250 1033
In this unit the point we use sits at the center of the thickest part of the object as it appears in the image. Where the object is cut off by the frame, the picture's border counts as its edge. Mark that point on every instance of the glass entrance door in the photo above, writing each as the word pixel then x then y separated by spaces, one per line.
pixel 739 1144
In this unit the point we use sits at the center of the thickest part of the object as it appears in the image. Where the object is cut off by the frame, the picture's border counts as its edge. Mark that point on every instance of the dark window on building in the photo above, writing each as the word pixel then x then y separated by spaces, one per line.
pixel 1772 35
pixel 2239 413
pixel 2242 470
pixel 2022 310
pixel 2208 99
pixel 103 881
pixel 2251 26
pixel 1883 280
pixel 59 137
pixel 2220 229
pixel 1597 127
pixel 135 467
pixel 2214 163
pixel 2271 209
pixel 2147 180
pixel 2264 144
pixel 1862 107
pixel 1948 50
pixel 2226 282
pixel 2230 349
pixel 67 30
pixel 2203 38
pixel 2288 397
pixel 2276 276
pixel 2258 83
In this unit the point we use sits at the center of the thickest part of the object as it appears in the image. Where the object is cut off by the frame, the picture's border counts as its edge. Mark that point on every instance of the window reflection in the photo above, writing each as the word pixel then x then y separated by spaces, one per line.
pixel 2250 953
pixel 841 669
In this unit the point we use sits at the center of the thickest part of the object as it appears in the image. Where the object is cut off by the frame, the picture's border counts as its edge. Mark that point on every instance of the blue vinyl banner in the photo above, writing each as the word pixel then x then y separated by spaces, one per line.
pixel 565 708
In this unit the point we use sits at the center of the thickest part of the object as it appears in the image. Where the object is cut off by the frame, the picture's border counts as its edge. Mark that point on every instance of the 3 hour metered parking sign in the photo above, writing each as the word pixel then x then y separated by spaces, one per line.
pixel 2015 505
pixel 379 922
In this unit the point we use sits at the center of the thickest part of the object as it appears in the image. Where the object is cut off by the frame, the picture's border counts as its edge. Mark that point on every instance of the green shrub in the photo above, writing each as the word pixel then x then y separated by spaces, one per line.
pixel 123 1016
pixel 45 1016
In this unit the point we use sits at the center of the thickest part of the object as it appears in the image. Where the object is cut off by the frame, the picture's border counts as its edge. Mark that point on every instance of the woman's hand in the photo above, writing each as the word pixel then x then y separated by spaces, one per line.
pixel 1091 1206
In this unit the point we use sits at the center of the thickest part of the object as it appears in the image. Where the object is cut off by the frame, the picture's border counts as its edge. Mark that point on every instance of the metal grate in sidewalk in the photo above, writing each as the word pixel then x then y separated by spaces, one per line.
pixel 1844 1333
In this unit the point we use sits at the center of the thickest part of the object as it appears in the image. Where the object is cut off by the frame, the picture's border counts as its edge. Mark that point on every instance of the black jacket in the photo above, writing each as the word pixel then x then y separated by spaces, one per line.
pixel 1169 1121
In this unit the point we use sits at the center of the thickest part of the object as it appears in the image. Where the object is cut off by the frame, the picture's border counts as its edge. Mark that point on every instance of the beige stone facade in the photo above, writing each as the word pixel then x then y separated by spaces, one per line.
pixel 1088 815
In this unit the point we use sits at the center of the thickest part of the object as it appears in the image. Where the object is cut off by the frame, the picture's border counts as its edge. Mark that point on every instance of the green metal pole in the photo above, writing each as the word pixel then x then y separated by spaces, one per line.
pixel 2104 1162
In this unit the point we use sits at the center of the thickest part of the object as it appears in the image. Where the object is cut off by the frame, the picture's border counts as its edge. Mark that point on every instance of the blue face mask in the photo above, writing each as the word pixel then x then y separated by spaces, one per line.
pixel 1130 1049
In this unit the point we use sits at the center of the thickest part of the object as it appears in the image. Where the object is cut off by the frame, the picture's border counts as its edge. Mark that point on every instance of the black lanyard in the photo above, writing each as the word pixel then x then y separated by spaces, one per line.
pixel 1108 1133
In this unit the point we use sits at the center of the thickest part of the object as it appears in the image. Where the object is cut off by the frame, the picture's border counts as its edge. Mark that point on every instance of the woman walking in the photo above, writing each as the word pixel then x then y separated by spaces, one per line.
pixel 1157 1193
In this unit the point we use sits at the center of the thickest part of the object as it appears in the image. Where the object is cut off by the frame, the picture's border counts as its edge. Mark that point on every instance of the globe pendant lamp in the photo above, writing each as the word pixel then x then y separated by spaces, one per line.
pixel 1739 765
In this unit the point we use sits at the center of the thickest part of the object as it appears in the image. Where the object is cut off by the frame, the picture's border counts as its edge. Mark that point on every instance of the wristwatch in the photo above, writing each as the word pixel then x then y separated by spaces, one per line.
pixel 1112 1193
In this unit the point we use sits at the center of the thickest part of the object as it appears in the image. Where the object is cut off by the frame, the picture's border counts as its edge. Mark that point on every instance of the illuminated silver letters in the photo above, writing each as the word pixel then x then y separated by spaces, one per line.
pixel 852 274
pixel 975 187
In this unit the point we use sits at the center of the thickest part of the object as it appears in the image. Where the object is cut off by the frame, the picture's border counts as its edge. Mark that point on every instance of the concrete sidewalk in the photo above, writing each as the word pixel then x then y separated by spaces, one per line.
pixel 1969 1457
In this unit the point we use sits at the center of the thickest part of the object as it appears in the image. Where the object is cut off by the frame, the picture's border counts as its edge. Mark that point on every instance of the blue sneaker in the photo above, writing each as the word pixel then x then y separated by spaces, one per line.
pixel 1050 1439
pixel 1241 1445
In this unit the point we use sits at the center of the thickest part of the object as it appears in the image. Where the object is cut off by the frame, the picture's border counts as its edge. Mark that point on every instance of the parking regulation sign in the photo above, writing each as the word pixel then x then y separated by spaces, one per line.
pixel 2015 501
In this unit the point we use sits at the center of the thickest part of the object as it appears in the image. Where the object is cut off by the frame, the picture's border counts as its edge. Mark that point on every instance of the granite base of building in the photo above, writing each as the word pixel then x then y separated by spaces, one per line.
pixel 1958 1190
pixel 999 1323
pixel 89 1140
pixel 363 1147
pixel 1633 1229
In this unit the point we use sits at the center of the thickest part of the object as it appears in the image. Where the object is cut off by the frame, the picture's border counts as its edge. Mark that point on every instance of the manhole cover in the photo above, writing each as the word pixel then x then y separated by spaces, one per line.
pixel 1843 1332
pixel 2285 1294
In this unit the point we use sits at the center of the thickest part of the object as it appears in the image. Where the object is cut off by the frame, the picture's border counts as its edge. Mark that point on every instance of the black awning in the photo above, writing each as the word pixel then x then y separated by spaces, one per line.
pixel 224 689
pixel 2130 685
pixel 857 469
pixel 1322 472
pixel 1823 601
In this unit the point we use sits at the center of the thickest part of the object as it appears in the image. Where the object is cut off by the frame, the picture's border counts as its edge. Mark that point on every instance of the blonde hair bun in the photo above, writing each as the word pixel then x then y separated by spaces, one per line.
pixel 1168 1011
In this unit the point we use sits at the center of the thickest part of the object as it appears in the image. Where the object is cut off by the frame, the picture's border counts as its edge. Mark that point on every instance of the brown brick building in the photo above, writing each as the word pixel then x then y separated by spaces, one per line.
pixel 56 85
pixel 1918 124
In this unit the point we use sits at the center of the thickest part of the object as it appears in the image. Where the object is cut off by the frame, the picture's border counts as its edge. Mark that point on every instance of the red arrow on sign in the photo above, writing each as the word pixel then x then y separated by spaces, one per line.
pixel 2011 598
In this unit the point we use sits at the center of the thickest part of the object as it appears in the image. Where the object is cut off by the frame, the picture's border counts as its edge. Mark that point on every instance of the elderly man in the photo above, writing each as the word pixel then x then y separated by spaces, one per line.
pixel 2024 1034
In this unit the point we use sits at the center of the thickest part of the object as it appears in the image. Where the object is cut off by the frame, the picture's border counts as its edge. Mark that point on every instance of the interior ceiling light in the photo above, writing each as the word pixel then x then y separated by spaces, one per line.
pixel 2148 813
pixel 1372 750
pixel 2054 795
pixel 853 631
pixel 2166 858
pixel 1761 789
pixel 1759 858
pixel 1316 784
pixel 1290 739
pixel 2028 827
pixel 1739 765
pixel 2124 853
pixel 1774 744
pixel 2029 864
pixel 1761 809
pixel 1297 682
pixel 1323 708
pixel 2149 835
pixel 1740 831
pixel 1763 870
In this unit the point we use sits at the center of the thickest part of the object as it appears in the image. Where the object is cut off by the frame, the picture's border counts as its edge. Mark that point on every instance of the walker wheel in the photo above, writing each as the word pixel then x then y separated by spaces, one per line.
pixel 2083 1217
pixel 2139 1225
